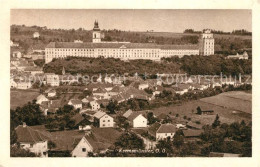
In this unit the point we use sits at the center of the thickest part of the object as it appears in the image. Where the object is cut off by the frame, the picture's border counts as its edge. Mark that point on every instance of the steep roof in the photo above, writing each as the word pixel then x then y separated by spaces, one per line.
pixel 90 45
pixel 132 116
pixel 166 128
pixel 77 118
pixel 128 113
pixel 192 133
pixel 99 114
pixel 75 101
pixel 29 135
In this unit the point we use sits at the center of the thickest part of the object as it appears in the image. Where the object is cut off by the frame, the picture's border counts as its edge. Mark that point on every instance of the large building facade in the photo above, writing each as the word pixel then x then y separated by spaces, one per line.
pixel 126 50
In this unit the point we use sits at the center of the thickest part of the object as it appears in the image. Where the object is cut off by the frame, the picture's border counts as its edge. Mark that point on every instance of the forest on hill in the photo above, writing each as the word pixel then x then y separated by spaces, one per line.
pixel 224 43
pixel 193 65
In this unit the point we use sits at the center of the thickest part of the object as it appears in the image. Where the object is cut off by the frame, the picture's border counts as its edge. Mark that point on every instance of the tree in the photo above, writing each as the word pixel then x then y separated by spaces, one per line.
pixel 151 119
pixel 16 151
pixel 199 110
pixel 129 140
pixel 122 122
pixel 216 122
pixel 51 145
pixel 165 147
pixel 112 106
pixel 178 139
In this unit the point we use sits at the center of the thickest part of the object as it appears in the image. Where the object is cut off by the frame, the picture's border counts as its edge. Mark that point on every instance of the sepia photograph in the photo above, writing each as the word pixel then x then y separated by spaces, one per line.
pixel 130 83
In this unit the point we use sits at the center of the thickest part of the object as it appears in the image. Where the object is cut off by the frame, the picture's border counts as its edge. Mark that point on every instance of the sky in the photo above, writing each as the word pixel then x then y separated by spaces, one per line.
pixel 158 20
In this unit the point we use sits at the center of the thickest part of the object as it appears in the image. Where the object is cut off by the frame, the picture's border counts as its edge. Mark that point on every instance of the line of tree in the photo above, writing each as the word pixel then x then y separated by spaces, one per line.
pixel 234 32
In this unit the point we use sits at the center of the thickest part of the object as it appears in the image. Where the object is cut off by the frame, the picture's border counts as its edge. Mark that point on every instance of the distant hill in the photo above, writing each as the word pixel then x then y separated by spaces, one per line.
pixel 194 65
pixel 24 36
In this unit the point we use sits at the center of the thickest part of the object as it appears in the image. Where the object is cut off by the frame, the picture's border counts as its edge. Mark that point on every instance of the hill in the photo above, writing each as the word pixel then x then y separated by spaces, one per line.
pixel 194 65
pixel 224 43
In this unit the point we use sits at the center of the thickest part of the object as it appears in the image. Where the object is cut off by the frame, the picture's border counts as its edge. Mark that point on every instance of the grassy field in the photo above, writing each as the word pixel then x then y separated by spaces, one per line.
pixel 21 97
pixel 179 35
pixel 237 101
pixel 226 114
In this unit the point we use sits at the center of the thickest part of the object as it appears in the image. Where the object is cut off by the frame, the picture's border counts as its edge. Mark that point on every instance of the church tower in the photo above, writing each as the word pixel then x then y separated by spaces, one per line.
pixel 207 43
pixel 96 38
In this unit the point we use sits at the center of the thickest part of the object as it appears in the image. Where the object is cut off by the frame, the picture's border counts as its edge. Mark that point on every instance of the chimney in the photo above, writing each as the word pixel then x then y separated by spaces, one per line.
pixel 24 124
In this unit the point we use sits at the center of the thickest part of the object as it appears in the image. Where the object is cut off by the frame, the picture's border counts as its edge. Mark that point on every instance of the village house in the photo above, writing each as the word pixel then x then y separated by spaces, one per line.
pixel 13 83
pixel 157 90
pixel 52 79
pixel 36 35
pixel 165 131
pixel 103 120
pixel 24 85
pixel 76 103
pixel 33 140
pixel 143 86
pixel 136 119
pixel 191 135
pixel 90 141
pixel 193 125
pixel 13 44
pixel 51 92
pixel 17 54
pixel 94 105
pixel 33 70
pixel 102 93
pixel 238 56
pixel 41 98
pixel 87 99
pixel 82 148
pixel 50 107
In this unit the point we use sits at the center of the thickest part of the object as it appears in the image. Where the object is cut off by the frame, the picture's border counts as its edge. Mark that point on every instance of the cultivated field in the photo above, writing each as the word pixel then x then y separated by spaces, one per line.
pixel 237 101
pixel 226 114
pixel 21 97
pixel 179 35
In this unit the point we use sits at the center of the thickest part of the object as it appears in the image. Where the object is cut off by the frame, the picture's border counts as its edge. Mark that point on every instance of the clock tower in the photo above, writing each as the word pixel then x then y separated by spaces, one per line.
pixel 96 38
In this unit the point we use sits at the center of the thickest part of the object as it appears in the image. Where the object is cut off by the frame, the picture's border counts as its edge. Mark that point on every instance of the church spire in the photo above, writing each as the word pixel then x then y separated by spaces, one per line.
pixel 63 71
pixel 96 27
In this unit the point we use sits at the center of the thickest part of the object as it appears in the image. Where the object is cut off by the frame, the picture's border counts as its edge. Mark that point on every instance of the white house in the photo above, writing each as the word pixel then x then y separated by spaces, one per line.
pixel 36 35
pixel 33 140
pixel 52 79
pixel 17 54
pixel 40 99
pixel 165 131
pixel 24 85
pixel 13 84
pixel 103 120
pixel 51 93
pixel 136 119
pixel 94 105
pixel 143 86
pixel 82 148
pixel 75 103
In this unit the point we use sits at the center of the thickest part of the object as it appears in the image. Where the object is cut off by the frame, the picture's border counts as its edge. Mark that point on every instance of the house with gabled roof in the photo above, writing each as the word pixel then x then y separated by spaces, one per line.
pixel 94 105
pixel 165 131
pixel 103 120
pixel 97 140
pixel 33 140
pixel 136 119
pixel 50 107
pixel 192 135
pixel 76 103
pixel 41 98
